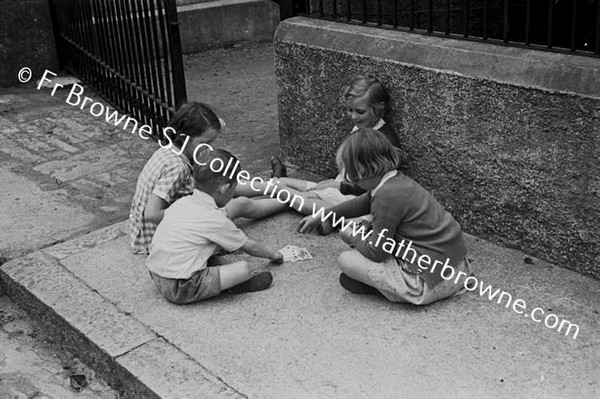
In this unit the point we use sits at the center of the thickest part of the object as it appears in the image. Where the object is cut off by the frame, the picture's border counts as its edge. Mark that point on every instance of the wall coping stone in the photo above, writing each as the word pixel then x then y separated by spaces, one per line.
pixel 571 74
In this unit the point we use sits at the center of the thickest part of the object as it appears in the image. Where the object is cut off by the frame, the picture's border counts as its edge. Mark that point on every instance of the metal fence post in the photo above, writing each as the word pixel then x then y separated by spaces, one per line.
pixel 179 90
pixel 286 9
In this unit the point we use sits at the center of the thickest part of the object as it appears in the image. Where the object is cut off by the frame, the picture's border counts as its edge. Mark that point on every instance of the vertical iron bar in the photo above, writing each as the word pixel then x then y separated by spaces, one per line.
pixel 119 39
pixel 114 59
pixel 466 17
pixel 137 80
pixel 573 25
pixel 448 17
pixel 146 42
pixel 364 11
pixel 124 49
pixel 154 57
pixel 159 18
pixel 84 70
pixel 104 52
pixel 349 9
pixel 485 19
pixel 528 23
pixel 142 82
pixel 550 17
pixel 506 22
pixel 286 9
pixel 147 105
pixel 430 17
pixel 176 54
pixel 134 76
pixel 412 15
pixel 597 49
pixel 108 51
pixel 154 51
pixel 99 70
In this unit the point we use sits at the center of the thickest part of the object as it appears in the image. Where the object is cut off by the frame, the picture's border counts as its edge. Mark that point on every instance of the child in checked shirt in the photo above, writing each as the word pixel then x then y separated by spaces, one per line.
pixel 167 176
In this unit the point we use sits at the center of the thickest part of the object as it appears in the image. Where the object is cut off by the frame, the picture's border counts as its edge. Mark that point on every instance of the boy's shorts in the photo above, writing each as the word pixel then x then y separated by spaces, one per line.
pixel 201 285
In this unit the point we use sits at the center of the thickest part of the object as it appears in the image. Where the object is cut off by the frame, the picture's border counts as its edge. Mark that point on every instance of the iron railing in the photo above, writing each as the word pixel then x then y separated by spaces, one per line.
pixel 571 26
pixel 128 51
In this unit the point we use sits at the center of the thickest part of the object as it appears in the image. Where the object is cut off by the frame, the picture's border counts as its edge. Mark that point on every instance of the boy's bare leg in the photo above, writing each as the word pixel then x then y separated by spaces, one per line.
pixel 234 274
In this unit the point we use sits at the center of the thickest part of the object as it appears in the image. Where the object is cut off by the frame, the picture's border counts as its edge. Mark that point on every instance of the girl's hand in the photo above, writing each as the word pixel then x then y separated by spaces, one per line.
pixel 331 183
pixel 308 224
pixel 277 257
pixel 346 236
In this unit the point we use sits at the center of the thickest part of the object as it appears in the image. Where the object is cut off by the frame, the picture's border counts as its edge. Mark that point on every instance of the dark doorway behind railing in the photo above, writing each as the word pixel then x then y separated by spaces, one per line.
pixel 571 26
pixel 128 51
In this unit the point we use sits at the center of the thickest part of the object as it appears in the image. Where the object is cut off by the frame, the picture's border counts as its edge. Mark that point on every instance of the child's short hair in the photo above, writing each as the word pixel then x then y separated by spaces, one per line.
pixel 370 87
pixel 211 168
pixel 192 119
pixel 366 153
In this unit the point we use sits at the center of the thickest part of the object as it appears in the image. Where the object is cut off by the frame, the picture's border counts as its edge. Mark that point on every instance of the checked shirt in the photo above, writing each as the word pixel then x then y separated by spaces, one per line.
pixel 166 175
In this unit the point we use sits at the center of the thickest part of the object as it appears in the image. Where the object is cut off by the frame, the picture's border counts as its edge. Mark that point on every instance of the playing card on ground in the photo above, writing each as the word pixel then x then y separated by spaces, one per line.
pixel 292 253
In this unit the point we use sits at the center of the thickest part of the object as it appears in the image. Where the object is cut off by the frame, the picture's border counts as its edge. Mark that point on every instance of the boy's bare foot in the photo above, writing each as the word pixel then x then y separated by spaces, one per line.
pixel 260 282
pixel 278 169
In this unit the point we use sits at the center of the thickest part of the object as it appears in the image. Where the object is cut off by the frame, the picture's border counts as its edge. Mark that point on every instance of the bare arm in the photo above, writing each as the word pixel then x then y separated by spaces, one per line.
pixel 260 251
pixel 155 209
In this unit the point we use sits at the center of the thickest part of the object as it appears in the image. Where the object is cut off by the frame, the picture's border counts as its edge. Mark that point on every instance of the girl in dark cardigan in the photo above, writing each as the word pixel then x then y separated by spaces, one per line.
pixel 413 251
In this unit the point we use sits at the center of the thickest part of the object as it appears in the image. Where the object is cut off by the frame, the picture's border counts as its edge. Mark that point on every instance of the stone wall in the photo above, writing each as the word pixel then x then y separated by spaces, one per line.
pixel 506 138
pixel 219 23
pixel 26 39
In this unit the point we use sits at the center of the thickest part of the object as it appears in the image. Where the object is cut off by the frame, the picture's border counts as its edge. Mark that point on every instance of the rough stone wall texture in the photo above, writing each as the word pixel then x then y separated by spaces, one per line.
pixel 516 165
pixel 26 39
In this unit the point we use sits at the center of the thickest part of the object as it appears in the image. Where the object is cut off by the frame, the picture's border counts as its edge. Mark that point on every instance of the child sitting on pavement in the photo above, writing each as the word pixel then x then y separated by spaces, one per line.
pixel 167 176
pixel 182 259
pixel 366 100
pixel 412 238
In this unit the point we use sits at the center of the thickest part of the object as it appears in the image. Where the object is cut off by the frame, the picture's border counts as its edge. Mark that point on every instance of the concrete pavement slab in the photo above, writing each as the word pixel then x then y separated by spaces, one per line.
pixel 178 375
pixel 33 218
pixel 307 337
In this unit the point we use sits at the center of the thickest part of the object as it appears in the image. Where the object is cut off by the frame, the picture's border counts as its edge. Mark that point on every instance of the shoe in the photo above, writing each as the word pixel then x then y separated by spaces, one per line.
pixel 357 287
pixel 260 282
pixel 278 169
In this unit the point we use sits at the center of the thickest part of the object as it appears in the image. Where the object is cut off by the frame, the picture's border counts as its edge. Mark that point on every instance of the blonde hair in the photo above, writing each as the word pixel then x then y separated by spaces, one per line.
pixel 366 153
pixel 372 89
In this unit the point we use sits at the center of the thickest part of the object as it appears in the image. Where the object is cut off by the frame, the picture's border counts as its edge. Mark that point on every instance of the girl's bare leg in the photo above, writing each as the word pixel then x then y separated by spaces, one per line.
pixel 352 264
pixel 260 187
pixel 253 208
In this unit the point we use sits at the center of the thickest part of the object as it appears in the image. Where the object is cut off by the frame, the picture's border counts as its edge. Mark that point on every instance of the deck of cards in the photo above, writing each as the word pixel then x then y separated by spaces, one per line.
pixel 292 253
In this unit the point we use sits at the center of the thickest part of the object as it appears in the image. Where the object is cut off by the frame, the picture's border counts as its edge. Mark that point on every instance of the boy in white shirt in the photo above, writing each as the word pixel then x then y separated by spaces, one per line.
pixel 195 228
